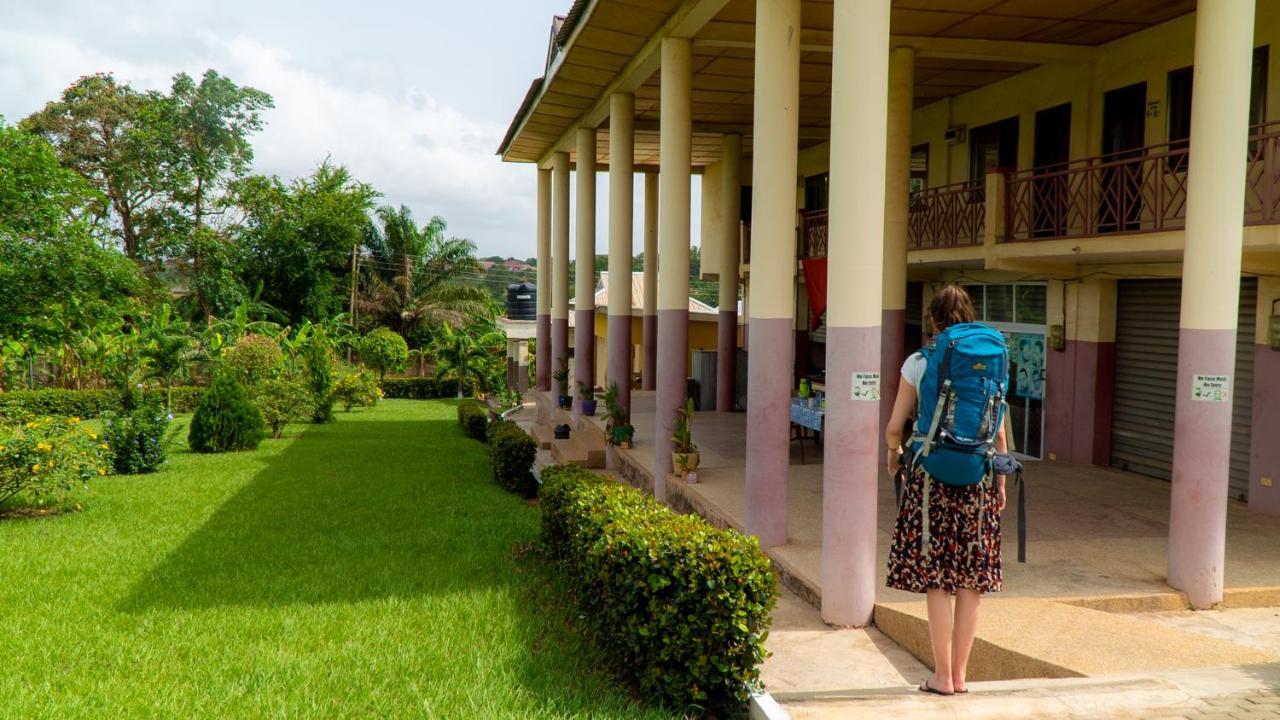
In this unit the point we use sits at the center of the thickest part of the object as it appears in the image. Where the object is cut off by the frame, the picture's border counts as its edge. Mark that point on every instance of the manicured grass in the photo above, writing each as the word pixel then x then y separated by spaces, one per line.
pixel 368 568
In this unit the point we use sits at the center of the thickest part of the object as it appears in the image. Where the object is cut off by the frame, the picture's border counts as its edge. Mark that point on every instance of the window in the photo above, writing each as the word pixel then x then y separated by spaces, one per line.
pixel 1179 103
pixel 993 146
pixel 815 192
pixel 919 167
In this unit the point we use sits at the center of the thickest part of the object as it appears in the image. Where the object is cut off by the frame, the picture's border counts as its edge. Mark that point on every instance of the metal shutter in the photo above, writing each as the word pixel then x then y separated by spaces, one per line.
pixel 1146 378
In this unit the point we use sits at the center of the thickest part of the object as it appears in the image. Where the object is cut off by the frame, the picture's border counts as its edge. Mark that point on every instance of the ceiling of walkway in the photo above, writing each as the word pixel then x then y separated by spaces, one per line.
pixel 604 37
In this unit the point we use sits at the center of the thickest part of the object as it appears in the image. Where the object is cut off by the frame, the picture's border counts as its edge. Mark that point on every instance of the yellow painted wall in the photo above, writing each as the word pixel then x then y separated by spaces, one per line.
pixel 703 335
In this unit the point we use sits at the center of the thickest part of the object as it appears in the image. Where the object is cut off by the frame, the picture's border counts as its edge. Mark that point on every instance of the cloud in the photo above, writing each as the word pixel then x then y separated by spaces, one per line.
pixel 411 147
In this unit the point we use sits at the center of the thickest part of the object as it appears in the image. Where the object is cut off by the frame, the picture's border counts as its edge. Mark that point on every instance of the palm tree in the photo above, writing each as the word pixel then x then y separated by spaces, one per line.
pixel 417 275
pixel 463 356
pixel 165 348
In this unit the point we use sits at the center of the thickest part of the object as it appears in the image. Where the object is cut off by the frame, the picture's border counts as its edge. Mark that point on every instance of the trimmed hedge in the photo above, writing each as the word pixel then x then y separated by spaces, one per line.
pixel 474 420
pixel 423 388
pixel 681 608
pixel 25 405
pixel 511 455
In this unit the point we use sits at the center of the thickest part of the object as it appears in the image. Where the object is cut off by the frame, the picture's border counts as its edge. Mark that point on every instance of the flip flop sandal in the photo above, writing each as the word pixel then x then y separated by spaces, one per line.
pixel 925 687
pixel 962 692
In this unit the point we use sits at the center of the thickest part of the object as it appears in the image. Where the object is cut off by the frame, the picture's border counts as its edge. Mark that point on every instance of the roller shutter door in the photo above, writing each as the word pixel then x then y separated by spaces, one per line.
pixel 1146 378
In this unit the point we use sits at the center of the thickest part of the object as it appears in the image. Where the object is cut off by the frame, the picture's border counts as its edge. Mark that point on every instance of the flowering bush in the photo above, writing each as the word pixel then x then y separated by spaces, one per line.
pixel 43 460
pixel 282 401
pixel 253 358
pixel 356 387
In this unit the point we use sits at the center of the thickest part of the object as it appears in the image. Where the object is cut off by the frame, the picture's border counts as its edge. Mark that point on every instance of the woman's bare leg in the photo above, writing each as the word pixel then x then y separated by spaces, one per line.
pixel 939 604
pixel 966 628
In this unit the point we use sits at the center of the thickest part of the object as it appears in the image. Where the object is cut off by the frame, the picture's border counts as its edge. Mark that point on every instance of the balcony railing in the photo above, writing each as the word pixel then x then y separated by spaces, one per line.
pixel 813 233
pixel 947 216
pixel 1134 191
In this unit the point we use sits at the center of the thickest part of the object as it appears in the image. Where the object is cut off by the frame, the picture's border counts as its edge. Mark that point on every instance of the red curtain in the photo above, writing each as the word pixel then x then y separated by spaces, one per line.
pixel 815 283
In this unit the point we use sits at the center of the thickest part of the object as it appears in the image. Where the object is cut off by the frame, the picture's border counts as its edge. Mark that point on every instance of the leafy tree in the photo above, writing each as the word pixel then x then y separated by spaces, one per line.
pixel 417 275
pixel 319 361
pixel 115 138
pixel 383 350
pixel 282 401
pixel 295 241
pixel 225 420
pixel 466 357
pixel 165 348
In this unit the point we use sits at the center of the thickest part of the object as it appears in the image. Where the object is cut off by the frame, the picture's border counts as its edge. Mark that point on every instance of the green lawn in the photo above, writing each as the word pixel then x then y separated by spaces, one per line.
pixel 360 569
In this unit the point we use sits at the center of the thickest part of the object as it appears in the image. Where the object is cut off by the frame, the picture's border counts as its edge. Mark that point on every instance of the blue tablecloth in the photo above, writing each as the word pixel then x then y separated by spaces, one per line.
pixel 804 415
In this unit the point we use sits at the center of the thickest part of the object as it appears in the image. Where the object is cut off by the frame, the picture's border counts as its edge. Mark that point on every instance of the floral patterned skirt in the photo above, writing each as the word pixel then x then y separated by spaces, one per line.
pixel 964 547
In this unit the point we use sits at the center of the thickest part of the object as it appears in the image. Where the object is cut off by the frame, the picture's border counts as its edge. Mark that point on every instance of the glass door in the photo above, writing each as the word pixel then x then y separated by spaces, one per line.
pixel 1018 312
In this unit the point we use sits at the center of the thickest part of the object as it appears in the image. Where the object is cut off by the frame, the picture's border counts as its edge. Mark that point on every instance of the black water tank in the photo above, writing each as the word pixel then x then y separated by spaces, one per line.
pixel 522 302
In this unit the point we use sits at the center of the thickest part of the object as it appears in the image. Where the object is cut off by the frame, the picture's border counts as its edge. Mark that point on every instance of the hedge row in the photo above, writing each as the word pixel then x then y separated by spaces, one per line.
pixel 424 388
pixel 511 455
pixel 473 418
pixel 681 608
pixel 24 405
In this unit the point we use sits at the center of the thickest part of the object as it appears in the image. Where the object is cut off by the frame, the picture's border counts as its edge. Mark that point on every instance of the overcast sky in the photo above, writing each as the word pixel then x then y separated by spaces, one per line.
pixel 413 97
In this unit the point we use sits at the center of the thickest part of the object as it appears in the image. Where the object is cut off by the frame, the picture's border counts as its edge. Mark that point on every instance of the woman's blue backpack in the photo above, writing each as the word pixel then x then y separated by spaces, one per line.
pixel 962 401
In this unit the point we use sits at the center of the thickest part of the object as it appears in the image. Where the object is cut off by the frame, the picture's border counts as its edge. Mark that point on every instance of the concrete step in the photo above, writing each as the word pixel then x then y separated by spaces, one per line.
pixel 1042 638
pixel 543 434
pixel 578 448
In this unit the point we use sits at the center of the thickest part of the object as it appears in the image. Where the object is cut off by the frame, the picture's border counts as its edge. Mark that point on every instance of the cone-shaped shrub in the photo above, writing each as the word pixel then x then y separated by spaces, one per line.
pixel 225 420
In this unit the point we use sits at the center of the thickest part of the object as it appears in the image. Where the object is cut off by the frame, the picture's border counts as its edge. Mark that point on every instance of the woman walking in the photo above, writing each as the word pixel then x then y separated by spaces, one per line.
pixel 947 537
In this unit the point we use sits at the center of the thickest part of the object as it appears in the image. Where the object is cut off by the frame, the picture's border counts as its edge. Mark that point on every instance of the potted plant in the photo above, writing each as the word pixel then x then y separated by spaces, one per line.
pixel 561 432
pixel 561 377
pixel 618 429
pixel 588 396
pixel 684 453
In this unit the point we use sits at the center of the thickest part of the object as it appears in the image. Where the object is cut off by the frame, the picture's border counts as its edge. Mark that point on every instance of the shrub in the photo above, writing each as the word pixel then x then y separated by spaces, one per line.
pixel 282 401
pixel 680 608
pixel 318 356
pixel 356 387
pixel 410 388
pixel 225 420
pixel 473 418
pixel 42 461
pixel 137 438
pixel 20 406
pixel 511 456
pixel 253 359
pixel 383 350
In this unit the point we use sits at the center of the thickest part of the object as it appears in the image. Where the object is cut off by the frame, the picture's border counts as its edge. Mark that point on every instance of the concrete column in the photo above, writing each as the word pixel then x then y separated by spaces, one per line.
pixel 773 265
pixel 731 214
pixel 543 379
pixel 649 334
pixel 559 262
pixel 852 453
pixel 897 180
pixel 584 294
pixel 1264 453
pixel 622 112
pixel 1210 298
pixel 675 157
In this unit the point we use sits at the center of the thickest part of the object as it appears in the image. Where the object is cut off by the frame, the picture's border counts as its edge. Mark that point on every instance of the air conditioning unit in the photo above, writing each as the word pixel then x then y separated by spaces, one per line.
pixel 956 134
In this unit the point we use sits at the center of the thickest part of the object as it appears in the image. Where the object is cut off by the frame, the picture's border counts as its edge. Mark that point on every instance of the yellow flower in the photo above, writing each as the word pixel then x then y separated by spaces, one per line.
pixel 73 420
pixel 93 435
pixel 44 446
pixel 105 447
pixel 31 424
pixel 102 471
pixel 35 468
pixel 1 448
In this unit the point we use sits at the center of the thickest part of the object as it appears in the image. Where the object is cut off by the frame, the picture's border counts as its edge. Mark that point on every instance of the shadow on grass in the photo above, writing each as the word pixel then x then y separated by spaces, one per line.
pixel 354 511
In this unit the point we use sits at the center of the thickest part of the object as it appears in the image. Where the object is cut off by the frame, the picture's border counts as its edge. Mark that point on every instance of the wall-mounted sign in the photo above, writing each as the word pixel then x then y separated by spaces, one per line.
pixel 1211 388
pixel 866 386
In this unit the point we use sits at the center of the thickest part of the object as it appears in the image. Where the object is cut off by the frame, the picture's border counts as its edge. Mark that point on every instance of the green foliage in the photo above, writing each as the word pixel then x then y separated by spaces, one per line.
pixel 25 405
pixel 318 361
pixel 384 350
pixel 282 401
pixel 295 239
pixel 468 356
pixel 253 359
pixel 43 460
pixel 225 420
pixel 356 387
pixel 422 388
pixel 561 376
pixel 681 609
pixel 511 455
pixel 682 430
pixel 618 428
pixel 473 418
pixel 137 438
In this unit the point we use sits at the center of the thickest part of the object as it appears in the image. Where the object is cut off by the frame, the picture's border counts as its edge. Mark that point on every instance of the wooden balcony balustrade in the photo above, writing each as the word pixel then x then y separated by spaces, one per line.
pixel 947 216
pixel 1135 191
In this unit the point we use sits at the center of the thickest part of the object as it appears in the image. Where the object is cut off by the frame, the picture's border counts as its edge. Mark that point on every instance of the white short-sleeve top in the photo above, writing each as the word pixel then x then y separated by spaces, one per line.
pixel 913 369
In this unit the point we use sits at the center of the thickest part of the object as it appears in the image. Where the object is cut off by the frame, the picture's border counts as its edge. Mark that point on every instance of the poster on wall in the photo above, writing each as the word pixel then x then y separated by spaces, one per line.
pixel 1027 357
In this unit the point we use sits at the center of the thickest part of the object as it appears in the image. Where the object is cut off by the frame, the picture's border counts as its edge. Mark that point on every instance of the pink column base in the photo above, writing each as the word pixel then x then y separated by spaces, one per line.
pixel 672 390
pixel 559 350
pixel 1079 389
pixel 1264 456
pixel 1201 463
pixel 619 370
pixel 726 360
pixel 892 337
pixel 542 354
pixel 769 429
pixel 850 478
pixel 649 352
pixel 584 355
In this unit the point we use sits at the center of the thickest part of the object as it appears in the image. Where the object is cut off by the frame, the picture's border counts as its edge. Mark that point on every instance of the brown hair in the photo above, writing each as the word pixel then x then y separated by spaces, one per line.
pixel 951 306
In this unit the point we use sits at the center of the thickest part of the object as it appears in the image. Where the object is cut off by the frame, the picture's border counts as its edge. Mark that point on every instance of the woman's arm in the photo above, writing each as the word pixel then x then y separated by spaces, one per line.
pixel 1002 446
pixel 903 405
